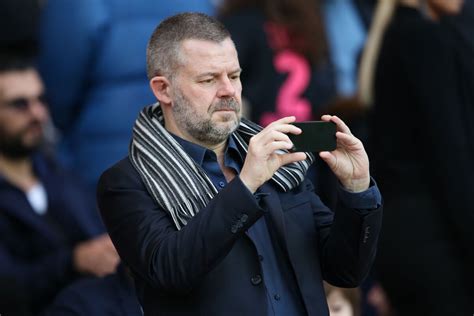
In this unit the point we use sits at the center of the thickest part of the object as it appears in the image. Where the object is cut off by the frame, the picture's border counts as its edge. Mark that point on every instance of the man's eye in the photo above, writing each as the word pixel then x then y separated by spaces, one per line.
pixel 235 77
pixel 210 80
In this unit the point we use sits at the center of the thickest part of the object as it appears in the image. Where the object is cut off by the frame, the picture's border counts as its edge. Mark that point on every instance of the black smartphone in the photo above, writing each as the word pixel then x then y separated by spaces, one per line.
pixel 316 136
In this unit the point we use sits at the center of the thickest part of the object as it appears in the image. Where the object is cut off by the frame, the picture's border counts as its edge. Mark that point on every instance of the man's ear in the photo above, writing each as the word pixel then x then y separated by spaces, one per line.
pixel 161 89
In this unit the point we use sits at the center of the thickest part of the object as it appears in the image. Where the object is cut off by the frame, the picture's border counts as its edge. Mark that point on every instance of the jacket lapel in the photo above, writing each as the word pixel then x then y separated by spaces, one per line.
pixel 275 213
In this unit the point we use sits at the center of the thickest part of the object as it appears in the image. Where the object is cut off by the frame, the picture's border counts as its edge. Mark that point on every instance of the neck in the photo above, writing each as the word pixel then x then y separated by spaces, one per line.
pixel 229 173
pixel 18 171
pixel 218 149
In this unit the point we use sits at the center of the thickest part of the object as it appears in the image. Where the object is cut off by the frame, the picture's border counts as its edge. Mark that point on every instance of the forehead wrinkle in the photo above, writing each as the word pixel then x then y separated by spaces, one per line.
pixel 209 54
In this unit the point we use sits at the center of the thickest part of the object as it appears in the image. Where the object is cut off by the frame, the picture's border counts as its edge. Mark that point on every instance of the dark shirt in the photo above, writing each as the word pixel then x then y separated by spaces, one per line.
pixel 282 291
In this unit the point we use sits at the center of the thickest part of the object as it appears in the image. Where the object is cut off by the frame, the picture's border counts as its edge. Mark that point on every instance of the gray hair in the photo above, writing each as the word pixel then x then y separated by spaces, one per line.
pixel 163 50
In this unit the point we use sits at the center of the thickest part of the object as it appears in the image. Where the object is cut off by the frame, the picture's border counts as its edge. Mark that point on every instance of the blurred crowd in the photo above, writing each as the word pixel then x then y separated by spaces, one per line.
pixel 400 72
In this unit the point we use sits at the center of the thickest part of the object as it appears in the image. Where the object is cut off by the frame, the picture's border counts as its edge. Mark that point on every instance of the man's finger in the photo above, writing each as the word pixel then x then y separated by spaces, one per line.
pixel 329 158
pixel 292 157
pixel 347 139
pixel 277 145
pixel 274 136
pixel 341 126
pixel 284 128
pixel 283 120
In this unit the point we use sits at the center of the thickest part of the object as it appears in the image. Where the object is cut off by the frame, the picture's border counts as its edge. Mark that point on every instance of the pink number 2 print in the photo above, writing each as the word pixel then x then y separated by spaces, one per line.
pixel 289 100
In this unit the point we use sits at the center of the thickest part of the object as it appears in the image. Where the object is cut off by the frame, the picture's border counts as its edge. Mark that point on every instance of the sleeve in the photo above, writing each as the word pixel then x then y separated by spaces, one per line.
pixel 348 238
pixel 68 36
pixel 363 202
pixel 148 242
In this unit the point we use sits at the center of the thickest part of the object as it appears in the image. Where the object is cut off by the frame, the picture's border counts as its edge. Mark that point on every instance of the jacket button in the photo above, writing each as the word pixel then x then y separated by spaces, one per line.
pixel 277 297
pixel 244 218
pixel 256 280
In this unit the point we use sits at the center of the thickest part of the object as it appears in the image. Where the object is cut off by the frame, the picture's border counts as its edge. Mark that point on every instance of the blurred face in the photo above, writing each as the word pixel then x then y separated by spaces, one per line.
pixel 206 92
pixel 339 305
pixel 23 113
pixel 439 8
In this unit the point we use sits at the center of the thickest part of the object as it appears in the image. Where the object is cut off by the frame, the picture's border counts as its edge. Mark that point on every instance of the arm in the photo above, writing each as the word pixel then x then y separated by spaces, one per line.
pixel 348 244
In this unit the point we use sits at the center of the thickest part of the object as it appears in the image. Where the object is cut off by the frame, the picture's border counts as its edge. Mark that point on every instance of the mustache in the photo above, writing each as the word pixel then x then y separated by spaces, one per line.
pixel 226 104
pixel 31 125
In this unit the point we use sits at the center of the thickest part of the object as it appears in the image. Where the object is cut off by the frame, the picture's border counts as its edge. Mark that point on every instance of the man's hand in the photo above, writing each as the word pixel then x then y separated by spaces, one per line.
pixel 348 161
pixel 262 161
pixel 96 256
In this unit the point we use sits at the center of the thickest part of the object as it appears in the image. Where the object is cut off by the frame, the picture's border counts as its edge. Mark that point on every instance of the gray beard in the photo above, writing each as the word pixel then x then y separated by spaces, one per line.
pixel 204 130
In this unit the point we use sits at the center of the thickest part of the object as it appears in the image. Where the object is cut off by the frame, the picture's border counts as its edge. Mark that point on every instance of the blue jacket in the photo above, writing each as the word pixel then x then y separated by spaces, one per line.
pixel 211 267
pixel 92 59
pixel 35 250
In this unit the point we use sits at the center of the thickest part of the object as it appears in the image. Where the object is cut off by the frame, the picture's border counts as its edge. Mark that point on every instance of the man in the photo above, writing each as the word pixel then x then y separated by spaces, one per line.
pixel 213 216
pixel 49 234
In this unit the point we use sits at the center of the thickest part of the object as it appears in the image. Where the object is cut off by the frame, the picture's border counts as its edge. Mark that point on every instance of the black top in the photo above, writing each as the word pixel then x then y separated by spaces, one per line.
pixel 422 127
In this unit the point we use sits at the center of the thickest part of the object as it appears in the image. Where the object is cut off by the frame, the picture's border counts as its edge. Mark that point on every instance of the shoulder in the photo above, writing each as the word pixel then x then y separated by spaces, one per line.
pixel 411 30
pixel 121 174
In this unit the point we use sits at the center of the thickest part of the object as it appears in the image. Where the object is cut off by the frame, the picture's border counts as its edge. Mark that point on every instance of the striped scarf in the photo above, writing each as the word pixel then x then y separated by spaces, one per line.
pixel 174 180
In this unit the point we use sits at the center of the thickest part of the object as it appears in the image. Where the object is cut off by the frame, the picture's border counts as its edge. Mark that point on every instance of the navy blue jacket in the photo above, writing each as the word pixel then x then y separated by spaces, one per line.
pixel 211 267
pixel 36 251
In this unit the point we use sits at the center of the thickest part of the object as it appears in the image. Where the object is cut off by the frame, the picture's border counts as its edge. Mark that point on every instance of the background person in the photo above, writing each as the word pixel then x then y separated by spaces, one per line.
pixel 420 92
pixel 92 61
pixel 50 232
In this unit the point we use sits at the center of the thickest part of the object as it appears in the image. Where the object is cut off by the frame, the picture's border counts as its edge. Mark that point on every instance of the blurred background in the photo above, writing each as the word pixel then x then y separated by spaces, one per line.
pixel 399 72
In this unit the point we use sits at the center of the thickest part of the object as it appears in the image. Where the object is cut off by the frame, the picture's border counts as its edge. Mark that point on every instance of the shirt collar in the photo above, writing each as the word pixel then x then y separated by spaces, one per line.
pixel 198 153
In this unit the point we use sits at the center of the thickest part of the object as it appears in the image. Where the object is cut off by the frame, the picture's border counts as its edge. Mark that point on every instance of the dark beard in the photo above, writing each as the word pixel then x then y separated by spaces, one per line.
pixel 13 147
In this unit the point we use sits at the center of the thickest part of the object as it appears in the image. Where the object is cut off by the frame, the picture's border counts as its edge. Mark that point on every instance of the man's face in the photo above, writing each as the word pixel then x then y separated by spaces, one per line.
pixel 206 91
pixel 23 113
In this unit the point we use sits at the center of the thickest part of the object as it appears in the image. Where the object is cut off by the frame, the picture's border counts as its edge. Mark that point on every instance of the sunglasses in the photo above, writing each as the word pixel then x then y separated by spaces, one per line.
pixel 22 103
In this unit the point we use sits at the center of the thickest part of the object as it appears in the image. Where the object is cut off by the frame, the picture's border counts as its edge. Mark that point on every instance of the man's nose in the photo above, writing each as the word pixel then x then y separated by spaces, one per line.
pixel 39 110
pixel 226 88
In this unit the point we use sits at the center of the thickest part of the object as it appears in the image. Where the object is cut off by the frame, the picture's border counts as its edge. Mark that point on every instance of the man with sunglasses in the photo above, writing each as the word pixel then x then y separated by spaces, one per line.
pixel 50 233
